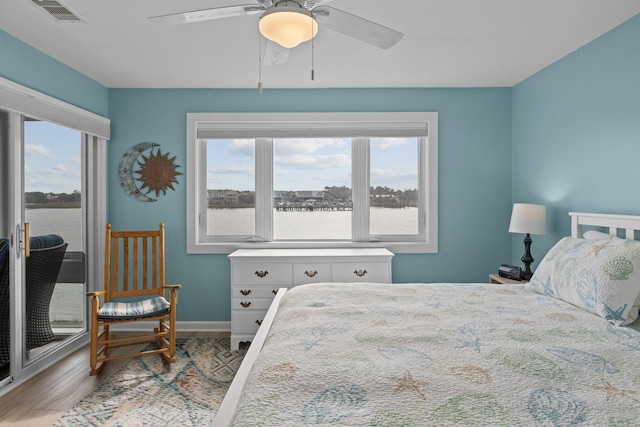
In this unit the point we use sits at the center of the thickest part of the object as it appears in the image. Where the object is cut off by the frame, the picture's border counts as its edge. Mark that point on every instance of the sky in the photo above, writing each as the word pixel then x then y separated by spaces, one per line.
pixel 52 158
pixel 312 163
pixel 52 162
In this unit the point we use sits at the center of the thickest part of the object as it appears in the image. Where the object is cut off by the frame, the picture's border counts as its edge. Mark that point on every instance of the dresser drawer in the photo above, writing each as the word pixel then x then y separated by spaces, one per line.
pixel 247 322
pixel 311 273
pixel 261 273
pixel 252 291
pixel 251 303
pixel 378 272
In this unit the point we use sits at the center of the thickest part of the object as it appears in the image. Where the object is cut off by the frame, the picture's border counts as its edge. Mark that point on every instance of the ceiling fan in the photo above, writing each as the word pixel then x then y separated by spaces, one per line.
pixel 291 22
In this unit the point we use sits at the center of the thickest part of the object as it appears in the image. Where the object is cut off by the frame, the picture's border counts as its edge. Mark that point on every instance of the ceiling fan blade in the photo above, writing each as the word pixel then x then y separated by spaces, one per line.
pixel 274 54
pixel 311 4
pixel 356 27
pixel 207 14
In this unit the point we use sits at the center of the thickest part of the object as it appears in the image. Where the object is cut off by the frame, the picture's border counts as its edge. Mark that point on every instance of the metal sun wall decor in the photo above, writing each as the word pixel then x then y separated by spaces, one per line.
pixel 157 172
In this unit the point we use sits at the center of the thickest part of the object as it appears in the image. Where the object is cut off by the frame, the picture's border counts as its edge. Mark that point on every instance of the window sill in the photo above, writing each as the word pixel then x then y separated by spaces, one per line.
pixel 228 247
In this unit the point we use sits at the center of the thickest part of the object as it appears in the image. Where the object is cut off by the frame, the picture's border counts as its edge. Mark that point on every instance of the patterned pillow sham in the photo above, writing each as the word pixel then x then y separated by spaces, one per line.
pixel 593 234
pixel 601 276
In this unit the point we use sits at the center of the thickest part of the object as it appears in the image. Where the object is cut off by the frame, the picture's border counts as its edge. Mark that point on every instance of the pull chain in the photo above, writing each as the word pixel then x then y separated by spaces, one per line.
pixel 312 46
pixel 259 63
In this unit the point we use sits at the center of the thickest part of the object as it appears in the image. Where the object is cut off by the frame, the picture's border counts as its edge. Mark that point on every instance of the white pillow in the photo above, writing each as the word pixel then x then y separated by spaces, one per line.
pixel 598 235
pixel 600 276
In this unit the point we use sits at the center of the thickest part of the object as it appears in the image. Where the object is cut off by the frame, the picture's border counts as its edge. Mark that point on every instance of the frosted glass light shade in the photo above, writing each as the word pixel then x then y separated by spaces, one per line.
pixel 288 26
pixel 527 218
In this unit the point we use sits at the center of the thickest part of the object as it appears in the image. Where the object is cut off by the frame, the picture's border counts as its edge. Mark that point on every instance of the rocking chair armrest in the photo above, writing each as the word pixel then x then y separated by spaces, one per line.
pixel 96 293
pixel 173 292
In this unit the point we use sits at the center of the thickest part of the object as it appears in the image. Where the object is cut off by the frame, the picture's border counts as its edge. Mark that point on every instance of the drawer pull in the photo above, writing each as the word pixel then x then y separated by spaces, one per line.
pixel 245 304
pixel 360 273
pixel 259 322
pixel 245 292
pixel 310 273
pixel 261 273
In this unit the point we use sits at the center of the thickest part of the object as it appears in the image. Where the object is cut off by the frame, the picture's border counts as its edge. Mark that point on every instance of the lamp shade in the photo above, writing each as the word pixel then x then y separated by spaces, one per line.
pixel 288 26
pixel 527 218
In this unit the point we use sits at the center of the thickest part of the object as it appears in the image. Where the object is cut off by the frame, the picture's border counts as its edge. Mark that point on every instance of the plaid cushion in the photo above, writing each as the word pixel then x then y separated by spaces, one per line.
pixel 45 241
pixel 130 310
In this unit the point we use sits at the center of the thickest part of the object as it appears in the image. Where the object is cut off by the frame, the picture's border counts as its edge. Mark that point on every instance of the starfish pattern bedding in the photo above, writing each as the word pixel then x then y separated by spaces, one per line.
pixel 442 355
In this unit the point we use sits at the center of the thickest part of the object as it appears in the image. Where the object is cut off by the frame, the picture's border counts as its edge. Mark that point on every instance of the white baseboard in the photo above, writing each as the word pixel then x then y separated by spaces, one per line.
pixel 181 326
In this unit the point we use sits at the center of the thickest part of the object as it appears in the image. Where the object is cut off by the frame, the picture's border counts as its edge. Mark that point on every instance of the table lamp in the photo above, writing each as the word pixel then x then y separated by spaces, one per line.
pixel 528 219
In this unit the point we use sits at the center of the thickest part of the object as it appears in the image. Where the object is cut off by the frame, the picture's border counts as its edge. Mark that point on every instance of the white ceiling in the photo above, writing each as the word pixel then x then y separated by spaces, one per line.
pixel 446 43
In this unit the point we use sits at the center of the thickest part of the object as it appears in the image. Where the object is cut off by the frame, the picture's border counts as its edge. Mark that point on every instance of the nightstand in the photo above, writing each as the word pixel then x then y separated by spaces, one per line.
pixel 499 280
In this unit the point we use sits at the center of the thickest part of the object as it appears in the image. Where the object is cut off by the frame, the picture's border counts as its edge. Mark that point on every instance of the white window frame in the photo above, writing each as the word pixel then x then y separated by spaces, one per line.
pixel 243 125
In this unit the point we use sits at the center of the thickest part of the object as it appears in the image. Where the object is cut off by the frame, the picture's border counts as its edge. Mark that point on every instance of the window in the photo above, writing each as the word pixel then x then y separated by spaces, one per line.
pixel 230 167
pixel 311 180
pixel 394 183
pixel 312 189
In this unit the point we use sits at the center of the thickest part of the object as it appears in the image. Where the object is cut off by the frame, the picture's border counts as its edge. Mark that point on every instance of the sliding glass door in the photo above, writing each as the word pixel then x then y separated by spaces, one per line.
pixel 54 209
pixel 43 229
pixel 51 195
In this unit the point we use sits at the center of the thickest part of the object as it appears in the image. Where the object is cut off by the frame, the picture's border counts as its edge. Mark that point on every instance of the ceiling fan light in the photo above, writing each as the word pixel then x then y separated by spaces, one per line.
pixel 288 26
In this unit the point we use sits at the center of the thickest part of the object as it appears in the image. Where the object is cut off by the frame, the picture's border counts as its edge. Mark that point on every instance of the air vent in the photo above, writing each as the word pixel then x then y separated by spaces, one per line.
pixel 57 10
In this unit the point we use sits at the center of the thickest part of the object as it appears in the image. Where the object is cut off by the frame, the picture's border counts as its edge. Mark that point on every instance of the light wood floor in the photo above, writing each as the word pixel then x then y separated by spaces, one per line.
pixel 47 396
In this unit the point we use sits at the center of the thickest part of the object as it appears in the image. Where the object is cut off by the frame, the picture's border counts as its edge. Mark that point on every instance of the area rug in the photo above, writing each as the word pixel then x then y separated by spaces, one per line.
pixel 148 392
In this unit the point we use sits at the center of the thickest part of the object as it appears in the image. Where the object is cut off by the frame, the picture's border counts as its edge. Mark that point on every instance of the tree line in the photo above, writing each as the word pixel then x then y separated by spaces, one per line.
pixel 378 196
pixel 38 197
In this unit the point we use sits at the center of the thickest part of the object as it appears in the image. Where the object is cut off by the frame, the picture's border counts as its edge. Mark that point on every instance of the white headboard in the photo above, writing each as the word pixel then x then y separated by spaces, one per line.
pixel 629 223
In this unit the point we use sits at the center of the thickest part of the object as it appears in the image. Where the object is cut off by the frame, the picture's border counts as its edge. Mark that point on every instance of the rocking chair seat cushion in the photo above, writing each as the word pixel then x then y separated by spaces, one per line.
pixel 131 310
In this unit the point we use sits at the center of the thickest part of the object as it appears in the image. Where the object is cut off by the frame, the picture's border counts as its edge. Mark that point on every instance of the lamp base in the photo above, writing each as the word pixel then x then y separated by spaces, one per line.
pixel 527 259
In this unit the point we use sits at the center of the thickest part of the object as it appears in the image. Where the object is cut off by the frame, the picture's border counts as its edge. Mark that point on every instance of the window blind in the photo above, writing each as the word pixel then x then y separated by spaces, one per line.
pixel 381 125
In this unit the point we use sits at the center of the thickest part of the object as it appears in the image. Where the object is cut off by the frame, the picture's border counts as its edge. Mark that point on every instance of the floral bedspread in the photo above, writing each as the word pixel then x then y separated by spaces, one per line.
pixel 440 355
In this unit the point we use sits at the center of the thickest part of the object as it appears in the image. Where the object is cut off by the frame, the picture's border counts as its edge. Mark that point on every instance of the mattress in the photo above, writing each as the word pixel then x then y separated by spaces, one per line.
pixel 443 355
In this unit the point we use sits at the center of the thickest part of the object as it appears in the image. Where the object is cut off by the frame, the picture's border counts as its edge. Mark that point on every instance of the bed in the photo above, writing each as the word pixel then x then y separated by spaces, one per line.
pixel 562 350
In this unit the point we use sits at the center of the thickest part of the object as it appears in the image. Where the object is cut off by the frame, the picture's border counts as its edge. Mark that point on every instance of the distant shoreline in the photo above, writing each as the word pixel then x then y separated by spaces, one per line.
pixel 54 205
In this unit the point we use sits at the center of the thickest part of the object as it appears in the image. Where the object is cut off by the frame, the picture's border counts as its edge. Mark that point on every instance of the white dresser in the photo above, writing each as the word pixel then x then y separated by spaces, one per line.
pixel 257 274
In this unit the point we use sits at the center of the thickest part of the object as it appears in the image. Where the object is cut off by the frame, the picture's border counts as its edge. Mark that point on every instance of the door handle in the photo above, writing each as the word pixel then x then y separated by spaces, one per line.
pixel 27 245
pixel 23 243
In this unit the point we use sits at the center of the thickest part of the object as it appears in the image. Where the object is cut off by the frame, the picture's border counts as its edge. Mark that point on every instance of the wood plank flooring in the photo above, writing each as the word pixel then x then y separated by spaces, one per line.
pixel 47 396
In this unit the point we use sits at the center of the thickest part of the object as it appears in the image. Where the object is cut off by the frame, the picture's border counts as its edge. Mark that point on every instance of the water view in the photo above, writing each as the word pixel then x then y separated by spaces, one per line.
pixel 64 222
pixel 317 224
pixel 68 299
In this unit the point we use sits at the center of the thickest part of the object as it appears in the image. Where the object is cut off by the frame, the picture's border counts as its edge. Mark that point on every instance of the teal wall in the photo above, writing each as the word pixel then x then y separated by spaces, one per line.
pixel 576 135
pixel 29 67
pixel 474 177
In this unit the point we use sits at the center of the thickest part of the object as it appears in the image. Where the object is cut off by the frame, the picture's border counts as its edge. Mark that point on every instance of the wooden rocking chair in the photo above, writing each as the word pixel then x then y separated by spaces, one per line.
pixel 134 290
